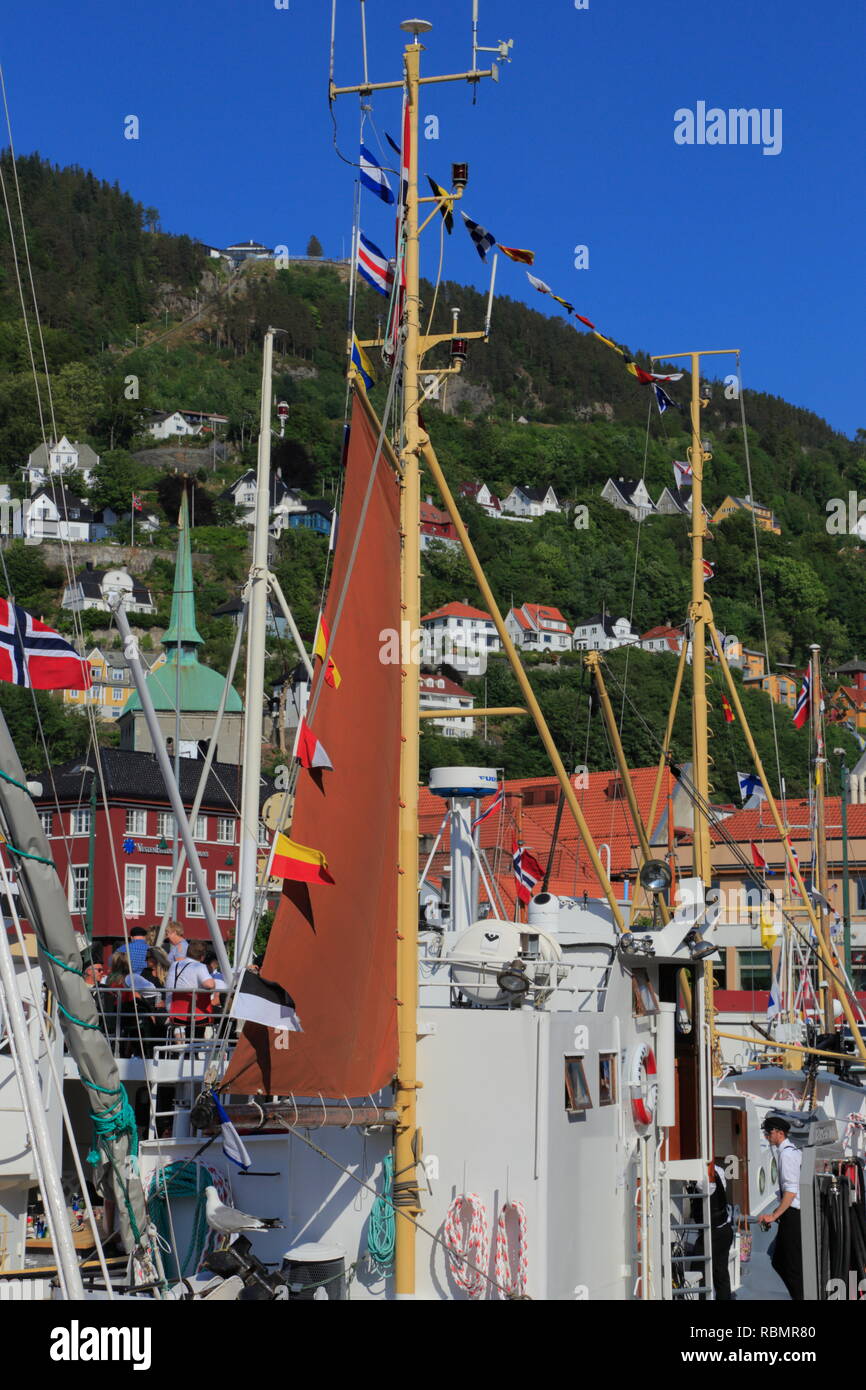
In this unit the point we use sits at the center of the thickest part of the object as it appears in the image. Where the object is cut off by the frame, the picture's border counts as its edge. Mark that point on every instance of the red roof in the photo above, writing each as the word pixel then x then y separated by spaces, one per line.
pixel 662 632
pixel 441 685
pixel 758 825
pixel 457 610
pixel 531 803
pixel 431 514
pixel 541 615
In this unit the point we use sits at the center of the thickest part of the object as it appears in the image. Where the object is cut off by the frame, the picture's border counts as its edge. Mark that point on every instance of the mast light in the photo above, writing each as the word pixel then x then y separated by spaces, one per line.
pixel 416 26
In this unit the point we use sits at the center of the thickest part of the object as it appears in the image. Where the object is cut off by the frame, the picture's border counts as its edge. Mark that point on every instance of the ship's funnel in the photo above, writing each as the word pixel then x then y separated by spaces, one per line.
pixel 461 787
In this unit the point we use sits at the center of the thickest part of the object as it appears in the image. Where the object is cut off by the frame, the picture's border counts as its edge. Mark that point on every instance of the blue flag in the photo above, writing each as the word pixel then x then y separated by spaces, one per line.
pixel 373 176
pixel 233 1145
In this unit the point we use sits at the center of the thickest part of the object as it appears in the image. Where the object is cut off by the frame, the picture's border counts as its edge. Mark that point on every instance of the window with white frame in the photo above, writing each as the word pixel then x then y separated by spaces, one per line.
pixel 136 821
pixel 79 879
pixel 80 820
pixel 199 830
pixel 46 820
pixel 193 901
pixel 133 890
pixel 164 878
pixel 226 830
pixel 225 885
pixel 165 825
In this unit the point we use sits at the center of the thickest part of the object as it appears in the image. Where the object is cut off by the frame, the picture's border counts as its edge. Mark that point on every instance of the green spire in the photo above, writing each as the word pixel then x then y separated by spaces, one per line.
pixel 182 631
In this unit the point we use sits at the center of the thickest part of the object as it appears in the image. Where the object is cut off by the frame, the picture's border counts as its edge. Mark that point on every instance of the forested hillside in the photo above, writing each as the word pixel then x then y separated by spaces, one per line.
pixel 122 301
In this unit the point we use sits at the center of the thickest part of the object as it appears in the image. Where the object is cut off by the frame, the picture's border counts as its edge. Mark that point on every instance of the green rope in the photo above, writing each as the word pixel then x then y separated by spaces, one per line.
pixel 73 970
pixel 176 1180
pixel 113 1124
pixel 80 1021
pixel 381 1235
pixel 11 780
pixel 25 854
pixel 106 1090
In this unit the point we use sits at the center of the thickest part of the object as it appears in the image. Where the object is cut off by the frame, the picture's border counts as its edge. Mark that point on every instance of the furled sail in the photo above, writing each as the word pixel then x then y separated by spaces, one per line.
pixel 333 946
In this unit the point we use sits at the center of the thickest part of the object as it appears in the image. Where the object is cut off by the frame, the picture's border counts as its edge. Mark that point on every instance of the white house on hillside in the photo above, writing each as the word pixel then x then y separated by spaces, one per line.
pixel 538 628
pixel 61 461
pixel 530 501
pixel 480 493
pixel 629 497
pixel 55 513
pixel 438 692
pixel 460 636
pixel 95 589
pixel 284 500
pixel 665 638
pixel 602 633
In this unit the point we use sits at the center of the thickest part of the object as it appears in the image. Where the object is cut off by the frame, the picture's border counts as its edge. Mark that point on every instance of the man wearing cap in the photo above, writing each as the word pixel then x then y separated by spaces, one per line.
pixel 787 1252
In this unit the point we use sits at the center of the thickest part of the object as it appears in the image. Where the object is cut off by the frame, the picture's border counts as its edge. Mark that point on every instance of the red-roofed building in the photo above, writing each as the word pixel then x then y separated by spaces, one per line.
pixel 461 636
pixel 438 692
pixel 437 525
pixel 663 639
pixel 538 628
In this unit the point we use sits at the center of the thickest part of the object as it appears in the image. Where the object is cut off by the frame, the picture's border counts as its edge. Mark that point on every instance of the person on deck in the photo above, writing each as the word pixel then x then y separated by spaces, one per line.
pixel 137 952
pixel 178 947
pixel 721 1232
pixel 189 975
pixel 787 1250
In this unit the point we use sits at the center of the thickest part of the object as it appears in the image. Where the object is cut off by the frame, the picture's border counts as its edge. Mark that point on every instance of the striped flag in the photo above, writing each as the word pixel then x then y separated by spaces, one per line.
pixel 482 240
pixel 299 863
pixel 374 265
pixel 494 806
pixel 663 400
pixel 792 877
pixel 804 702
pixel 373 176
pixel 682 473
pixel 310 752
pixel 233 1145
pixel 265 1002
pixel 726 710
pixel 527 871
pixel 36 656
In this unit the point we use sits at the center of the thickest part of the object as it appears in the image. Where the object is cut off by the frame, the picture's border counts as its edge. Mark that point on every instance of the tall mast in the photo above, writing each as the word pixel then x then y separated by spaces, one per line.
pixel 257 598
pixel 820 829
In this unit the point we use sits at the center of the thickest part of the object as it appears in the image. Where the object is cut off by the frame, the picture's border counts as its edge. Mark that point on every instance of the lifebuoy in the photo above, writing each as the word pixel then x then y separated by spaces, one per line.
pixel 642 1071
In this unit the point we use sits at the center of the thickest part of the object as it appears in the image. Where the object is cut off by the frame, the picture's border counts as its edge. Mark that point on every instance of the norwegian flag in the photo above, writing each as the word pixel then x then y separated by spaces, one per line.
pixel 374 265
pixel 804 702
pixel 495 805
pixel 527 871
pixel 33 655
pixel 682 474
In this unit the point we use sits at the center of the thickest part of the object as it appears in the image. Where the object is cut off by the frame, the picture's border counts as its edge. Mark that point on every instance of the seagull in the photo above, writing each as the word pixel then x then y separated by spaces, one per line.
pixel 230 1222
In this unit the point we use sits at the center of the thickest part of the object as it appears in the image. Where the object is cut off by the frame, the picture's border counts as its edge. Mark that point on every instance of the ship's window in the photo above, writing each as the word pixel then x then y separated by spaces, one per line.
pixel 607 1092
pixel 577 1095
pixel 756 970
pixel 643 994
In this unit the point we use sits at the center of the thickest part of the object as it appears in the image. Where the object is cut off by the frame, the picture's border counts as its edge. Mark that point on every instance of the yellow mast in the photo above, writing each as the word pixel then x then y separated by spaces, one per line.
pixel 407 1141
pixel 821 881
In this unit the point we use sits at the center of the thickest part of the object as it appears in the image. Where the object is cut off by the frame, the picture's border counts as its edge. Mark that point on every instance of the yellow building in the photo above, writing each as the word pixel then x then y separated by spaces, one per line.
pixel 782 689
pixel 764 517
pixel 112 682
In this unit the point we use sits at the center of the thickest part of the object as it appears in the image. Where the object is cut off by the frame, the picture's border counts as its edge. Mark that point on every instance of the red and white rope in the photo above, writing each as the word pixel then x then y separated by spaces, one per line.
pixel 472 1243
pixel 511 1268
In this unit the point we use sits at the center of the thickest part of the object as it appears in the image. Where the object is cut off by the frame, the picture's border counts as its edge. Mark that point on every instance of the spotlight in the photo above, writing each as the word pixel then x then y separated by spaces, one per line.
pixel 512 979
pixel 655 876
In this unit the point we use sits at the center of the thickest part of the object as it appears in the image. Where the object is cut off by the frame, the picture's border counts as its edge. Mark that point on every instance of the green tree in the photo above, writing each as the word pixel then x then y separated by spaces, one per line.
pixel 314 247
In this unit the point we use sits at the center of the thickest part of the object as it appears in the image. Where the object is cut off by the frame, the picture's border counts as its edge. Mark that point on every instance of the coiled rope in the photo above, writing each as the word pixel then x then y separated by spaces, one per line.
pixel 185 1178
pixel 511 1271
pixel 381 1228
pixel 462 1243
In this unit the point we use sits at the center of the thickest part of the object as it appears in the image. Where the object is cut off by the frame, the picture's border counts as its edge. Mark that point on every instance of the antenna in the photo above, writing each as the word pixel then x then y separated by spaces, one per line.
pixel 490 293
pixel 502 49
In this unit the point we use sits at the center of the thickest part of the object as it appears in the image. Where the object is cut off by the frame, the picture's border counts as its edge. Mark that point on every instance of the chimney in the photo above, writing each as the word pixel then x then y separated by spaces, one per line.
pixel 429 501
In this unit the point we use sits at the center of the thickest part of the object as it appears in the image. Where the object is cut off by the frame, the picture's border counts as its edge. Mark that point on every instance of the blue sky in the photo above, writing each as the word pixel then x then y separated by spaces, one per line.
pixel 689 246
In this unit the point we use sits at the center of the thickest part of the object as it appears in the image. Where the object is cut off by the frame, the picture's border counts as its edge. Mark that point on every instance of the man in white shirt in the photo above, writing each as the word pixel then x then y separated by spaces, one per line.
pixel 788 1251
pixel 189 973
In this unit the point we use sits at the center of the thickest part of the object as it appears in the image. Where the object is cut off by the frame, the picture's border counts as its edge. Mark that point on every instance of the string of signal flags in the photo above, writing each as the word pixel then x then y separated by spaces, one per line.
pixel 378 272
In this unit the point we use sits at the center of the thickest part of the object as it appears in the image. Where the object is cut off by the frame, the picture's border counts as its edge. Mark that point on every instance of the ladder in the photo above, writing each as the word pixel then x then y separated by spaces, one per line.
pixel 687 1251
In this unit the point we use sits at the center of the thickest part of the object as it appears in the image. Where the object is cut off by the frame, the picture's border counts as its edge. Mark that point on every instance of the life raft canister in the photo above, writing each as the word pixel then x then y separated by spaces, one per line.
pixel 642 1071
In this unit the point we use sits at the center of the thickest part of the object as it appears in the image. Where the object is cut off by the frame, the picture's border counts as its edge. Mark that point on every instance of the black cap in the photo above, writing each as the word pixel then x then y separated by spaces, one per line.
pixel 776 1122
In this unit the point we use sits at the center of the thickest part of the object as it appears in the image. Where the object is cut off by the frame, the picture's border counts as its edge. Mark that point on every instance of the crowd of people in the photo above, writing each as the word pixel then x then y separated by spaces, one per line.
pixel 148 995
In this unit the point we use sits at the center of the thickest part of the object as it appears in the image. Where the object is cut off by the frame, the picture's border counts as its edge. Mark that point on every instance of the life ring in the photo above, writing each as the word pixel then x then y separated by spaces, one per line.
pixel 642 1084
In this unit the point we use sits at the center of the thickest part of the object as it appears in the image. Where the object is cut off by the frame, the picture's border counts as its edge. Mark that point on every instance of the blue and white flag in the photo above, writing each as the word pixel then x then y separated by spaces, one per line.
pixel 482 240
pixel 774 1003
pixel 750 787
pixel 233 1145
pixel 373 176
pixel 663 400
pixel 374 265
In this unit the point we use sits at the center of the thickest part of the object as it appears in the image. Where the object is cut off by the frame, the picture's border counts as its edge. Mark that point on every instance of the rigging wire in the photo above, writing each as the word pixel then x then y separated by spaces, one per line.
pixel 636 560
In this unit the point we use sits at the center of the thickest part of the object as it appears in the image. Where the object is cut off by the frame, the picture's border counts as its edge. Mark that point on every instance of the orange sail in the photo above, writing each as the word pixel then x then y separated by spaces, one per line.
pixel 334 949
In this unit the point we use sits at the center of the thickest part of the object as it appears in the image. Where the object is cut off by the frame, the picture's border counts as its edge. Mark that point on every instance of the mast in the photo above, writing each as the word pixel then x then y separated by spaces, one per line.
pixel 820 830
pixel 257 598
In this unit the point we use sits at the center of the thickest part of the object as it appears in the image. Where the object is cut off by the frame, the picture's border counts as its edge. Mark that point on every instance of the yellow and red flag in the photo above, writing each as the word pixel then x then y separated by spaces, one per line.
pixel 728 712
pixel 519 254
pixel 299 863
pixel 323 641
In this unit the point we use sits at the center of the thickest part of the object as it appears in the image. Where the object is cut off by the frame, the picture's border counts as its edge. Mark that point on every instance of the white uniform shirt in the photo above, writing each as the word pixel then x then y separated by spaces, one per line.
pixel 788 1161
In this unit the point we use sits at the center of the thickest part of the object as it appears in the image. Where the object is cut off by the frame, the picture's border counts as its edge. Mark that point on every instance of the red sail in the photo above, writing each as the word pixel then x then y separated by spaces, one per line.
pixel 334 949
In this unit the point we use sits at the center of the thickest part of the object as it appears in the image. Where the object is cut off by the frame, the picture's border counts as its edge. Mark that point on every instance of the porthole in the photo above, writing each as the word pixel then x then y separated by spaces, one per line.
pixel 762 1180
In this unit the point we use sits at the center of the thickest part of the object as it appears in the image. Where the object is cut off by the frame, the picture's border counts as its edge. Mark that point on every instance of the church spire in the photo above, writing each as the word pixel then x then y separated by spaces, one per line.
pixel 182 632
